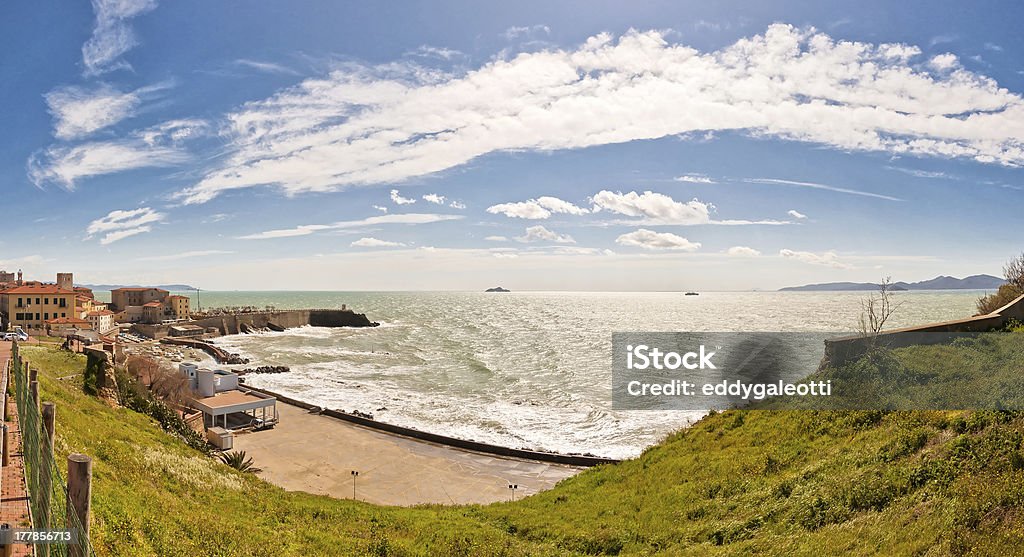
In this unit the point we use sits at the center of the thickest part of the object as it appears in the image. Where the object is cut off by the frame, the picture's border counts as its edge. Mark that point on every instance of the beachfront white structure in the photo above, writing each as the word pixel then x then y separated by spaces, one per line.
pixel 225 403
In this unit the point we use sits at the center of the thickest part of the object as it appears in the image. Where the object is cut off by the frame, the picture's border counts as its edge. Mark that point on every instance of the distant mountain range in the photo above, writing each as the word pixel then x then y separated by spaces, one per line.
pixel 973 282
pixel 171 287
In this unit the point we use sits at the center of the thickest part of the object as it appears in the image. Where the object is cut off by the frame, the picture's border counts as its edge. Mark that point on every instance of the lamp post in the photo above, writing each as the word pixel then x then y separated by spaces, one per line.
pixel 513 488
pixel 355 474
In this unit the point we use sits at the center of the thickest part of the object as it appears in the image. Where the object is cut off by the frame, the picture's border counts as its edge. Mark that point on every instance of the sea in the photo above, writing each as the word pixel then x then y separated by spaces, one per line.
pixel 521 369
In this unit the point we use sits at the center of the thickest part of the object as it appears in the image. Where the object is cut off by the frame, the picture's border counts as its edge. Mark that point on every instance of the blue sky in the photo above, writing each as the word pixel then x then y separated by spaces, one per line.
pixel 545 145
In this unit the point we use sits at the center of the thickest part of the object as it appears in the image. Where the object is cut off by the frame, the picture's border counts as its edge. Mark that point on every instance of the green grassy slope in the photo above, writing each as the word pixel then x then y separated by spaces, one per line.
pixel 739 482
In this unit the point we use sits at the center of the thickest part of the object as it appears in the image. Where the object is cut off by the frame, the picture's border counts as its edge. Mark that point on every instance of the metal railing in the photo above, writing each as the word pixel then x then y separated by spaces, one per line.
pixel 52 505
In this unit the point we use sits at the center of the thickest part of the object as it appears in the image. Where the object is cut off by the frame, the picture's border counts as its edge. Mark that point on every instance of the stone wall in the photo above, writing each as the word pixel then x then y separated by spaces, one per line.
pixel 844 349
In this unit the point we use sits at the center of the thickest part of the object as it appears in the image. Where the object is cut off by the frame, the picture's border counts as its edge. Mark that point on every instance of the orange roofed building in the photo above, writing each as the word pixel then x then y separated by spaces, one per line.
pixel 30 306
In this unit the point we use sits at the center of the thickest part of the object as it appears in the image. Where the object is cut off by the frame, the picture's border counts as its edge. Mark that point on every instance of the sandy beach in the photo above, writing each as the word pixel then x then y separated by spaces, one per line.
pixel 316 454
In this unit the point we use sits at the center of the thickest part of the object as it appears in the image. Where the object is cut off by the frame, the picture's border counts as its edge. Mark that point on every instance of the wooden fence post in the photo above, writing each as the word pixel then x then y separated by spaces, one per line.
pixel 8 549
pixel 79 495
pixel 5 460
pixel 33 389
pixel 45 464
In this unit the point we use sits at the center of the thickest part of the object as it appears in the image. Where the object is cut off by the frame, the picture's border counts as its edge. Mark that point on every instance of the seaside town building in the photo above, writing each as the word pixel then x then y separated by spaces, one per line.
pixel 148 305
pixel 102 321
pixel 30 306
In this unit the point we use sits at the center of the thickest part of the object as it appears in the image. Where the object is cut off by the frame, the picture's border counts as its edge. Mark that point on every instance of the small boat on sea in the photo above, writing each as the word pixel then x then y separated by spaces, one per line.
pixel 692 294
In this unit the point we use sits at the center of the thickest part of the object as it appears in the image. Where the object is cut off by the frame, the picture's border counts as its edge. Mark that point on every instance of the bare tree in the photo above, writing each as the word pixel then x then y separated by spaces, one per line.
pixel 877 308
pixel 1013 271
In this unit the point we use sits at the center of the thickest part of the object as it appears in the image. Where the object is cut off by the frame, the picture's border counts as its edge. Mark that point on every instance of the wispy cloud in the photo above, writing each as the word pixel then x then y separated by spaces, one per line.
pixel 817 186
pixel 265 67
pixel 375 243
pixel 651 240
pixel 368 125
pixel 111 35
pixel 518 32
pixel 65 166
pixel 694 179
pixel 796 214
pixel 828 258
pixel 120 224
pixel 78 111
pixel 306 229
pixel 440 53
pixel 186 255
pixel 922 173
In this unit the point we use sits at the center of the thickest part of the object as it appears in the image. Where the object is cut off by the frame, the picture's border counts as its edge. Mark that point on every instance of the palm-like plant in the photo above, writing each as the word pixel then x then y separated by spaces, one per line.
pixel 238 461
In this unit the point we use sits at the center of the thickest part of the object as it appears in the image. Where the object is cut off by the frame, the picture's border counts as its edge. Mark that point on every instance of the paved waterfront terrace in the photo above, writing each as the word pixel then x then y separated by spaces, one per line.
pixel 317 454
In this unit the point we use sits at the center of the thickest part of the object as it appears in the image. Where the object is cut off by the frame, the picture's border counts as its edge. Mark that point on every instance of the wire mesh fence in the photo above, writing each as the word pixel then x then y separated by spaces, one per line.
pixel 50 503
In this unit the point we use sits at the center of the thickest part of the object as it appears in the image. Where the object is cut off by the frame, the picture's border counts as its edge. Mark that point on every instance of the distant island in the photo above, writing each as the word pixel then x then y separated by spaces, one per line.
pixel 170 287
pixel 497 289
pixel 973 282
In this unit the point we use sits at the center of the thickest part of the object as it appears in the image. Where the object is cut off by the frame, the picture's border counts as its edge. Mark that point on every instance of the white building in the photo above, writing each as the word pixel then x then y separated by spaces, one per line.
pixel 102 321
pixel 225 403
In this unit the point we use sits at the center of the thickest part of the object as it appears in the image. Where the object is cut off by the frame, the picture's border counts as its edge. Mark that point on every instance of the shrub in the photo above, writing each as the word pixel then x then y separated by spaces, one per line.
pixel 992 302
pixel 240 462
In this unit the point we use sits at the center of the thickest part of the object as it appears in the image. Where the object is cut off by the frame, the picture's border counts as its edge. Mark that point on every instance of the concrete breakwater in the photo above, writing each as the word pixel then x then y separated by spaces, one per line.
pixel 235 323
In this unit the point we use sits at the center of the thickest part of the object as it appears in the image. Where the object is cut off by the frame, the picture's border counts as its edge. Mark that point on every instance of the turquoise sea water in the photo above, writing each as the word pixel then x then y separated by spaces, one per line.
pixel 528 369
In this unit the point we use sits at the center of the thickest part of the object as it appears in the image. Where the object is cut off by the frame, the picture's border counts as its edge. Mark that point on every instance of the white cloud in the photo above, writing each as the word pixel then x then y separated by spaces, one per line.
pixel 695 179
pixel 816 186
pixel 397 199
pixel 496 239
pixel 796 214
pixel 381 208
pixel 375 243
pixel 944 62
pixel 649 239
pixel 742 251
pixel 120 224
pixel 457 205
pixel 434 198
pixel 65 166
pixel 366 125
pixel 111 35
pixel 655 207
pixel 540 208
pixel 828 258
pixel 78 112
pixel 540 234
pixel 186 255
pixel 306 229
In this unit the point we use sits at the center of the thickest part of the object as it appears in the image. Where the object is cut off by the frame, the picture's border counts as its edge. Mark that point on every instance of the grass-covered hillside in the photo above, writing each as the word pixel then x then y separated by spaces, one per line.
pixel 751 482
